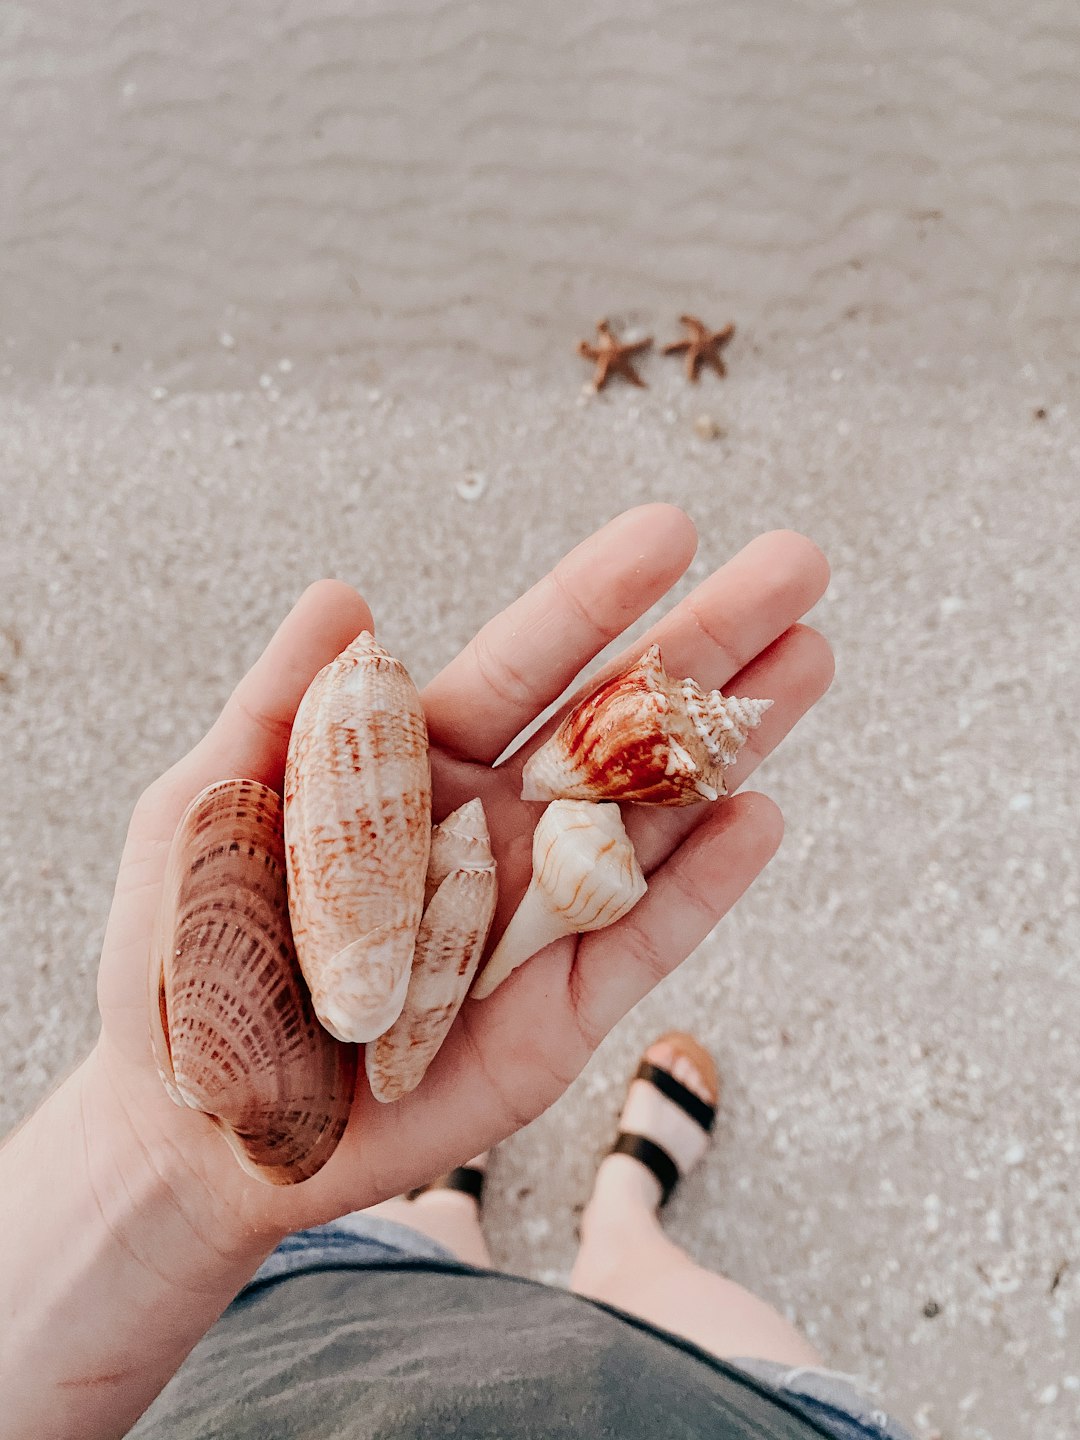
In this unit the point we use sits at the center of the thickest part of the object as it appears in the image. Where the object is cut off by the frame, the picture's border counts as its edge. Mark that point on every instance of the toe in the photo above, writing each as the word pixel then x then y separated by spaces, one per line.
pixel 662 1054
pixel 686 1073
pixel 667 1056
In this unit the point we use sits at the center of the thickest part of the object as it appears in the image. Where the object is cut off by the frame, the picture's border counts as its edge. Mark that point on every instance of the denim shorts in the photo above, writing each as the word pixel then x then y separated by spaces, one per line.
pixel 839 1405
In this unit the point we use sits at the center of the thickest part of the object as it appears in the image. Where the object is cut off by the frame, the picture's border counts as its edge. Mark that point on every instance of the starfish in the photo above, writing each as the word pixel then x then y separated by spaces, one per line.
pixel 612 357
pixel 702 347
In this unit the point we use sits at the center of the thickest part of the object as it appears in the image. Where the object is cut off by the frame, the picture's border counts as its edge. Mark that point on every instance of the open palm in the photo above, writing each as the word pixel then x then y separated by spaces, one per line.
pixel 508 1057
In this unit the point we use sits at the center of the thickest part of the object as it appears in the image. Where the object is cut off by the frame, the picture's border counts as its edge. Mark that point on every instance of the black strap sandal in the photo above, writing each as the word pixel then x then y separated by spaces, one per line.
pixel 466 1178
pixel 650 1154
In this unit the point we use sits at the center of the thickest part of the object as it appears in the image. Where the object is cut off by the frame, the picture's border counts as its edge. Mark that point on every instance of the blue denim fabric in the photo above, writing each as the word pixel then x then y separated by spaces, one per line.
pixel 834 1402
pixel 837 1403
pixel 355 1239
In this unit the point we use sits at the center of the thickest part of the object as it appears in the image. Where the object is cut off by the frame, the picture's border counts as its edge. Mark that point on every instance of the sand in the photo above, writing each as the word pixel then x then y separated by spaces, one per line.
pixel 309 307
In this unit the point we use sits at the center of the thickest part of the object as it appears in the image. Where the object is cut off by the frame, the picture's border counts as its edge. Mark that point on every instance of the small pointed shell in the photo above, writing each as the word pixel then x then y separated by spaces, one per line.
pixel 357 831
pixel 448 948
pixel 460 842
pixel 585 877
pixel 644 736
pixel 232 1026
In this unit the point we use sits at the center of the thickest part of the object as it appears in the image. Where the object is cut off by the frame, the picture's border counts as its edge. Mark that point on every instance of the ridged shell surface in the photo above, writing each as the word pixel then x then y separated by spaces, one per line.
pixel 357 835
pixel 585 877
pixel 232 1025
pixel 643 736
pixel 448 949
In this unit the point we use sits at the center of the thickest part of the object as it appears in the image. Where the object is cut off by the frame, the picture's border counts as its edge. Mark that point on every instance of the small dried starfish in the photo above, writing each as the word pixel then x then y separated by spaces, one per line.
pixel 702 347
pixel 612 357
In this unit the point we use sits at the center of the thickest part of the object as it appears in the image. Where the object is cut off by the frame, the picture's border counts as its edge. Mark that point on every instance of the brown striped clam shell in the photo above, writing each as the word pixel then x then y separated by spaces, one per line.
pixel 232 1025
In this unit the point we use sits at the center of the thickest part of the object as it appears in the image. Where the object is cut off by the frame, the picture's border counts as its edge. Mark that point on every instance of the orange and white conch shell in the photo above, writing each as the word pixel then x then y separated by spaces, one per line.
pixel 461 878
pixel 646 737
pixel 585 877
pixel 232 1025
pixel 357 834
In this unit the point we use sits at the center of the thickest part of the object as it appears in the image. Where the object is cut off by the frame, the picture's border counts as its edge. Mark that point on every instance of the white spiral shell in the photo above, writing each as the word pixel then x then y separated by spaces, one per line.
pixel 585 877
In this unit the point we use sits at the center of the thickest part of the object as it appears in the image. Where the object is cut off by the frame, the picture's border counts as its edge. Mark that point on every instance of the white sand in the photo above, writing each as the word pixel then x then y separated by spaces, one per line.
pixel 402 219
pixel 891 1007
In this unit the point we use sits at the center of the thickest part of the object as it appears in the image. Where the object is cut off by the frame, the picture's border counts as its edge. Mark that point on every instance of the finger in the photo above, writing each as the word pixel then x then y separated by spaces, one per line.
pixel 524 658
pixel 794 672
pixel 251 735
pixel 686 897
pixel 728 619
pixel 741 608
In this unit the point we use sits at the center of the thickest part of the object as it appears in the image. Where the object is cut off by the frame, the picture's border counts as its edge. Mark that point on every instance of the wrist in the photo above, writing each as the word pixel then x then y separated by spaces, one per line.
pixel 161 1179
pixel 118 1251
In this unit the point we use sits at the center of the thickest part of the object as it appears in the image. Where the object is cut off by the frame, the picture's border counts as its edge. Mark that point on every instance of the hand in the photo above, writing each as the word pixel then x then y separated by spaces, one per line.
pixel 508 1057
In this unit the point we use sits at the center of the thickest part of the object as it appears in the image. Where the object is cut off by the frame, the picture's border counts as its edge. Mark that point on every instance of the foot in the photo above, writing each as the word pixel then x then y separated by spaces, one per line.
pixel 625 1189
pixel 439 1194
pixel 452 1217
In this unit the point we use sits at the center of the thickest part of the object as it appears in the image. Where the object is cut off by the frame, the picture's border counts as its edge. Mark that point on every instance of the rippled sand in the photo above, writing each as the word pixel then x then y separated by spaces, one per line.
pixel 483 179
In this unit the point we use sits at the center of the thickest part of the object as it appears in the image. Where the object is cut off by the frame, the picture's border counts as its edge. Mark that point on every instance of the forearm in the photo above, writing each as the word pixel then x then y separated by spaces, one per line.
pixel 113 1264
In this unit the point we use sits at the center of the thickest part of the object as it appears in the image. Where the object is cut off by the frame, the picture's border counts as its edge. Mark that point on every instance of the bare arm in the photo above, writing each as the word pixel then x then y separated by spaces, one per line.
pixel 114 1260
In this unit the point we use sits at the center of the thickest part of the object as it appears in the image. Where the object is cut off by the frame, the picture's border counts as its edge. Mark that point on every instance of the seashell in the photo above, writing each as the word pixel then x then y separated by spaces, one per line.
pixel 357 833
pixel 585 877
pixel 461 875
pixel 232 1025
pixel 460 842
pixel 643 736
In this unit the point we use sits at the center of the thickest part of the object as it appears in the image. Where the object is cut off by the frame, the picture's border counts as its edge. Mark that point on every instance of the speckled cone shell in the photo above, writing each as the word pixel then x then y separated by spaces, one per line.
pixel 232 1025
pixel 455 926
pixel 357 834
pixel 646 737
pixel 585 877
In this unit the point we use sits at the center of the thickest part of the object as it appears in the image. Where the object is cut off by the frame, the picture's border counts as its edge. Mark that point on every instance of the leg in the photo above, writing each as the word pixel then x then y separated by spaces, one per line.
pixel 627 1261
pixel 448 1216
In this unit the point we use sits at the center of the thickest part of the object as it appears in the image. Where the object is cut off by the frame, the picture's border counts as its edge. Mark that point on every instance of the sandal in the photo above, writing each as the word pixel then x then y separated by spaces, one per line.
pixel 469 1179
pixel 649 1152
